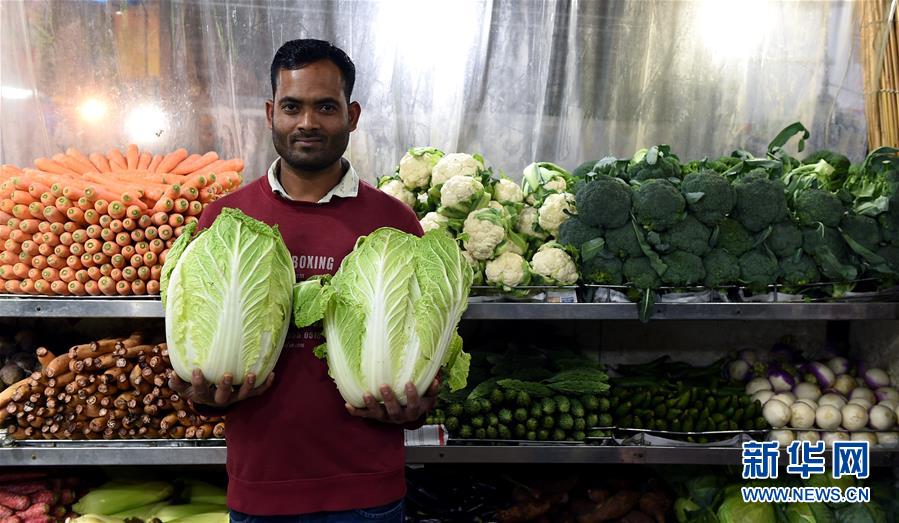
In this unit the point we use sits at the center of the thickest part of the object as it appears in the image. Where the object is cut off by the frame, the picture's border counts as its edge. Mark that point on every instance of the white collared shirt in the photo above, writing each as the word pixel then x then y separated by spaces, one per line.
pixel 347 187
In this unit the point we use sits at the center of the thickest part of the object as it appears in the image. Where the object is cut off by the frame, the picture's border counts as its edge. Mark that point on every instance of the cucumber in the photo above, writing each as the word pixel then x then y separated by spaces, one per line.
pixel 622 409
pixel 548 422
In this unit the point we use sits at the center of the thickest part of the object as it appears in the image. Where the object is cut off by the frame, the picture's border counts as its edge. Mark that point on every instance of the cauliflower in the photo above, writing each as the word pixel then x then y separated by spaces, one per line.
pixel 455 164
pixel 542 178
pixel 507 191
pixel 416 166
pixel 476 267
pixel 484 230
pixel 433 220
pixel 460 195
pixel 508 270
pixel 554 265
pixel 527 224
pixel 553 214
pixel 395 188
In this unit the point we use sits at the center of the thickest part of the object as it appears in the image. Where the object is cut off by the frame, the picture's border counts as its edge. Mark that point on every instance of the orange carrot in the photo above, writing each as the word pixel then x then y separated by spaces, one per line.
pixel 143 162
pixel 20 270
pixel 79 157
pixel 101 206
pixel 70 226
pixel 100 259
pixel 154 163
pixel 116 226
pixel 117 160
pixel 164 205
pixel 92 288
pixel 74 262
pixel 70 163
pixel 151 233
pixel 39 262
pixel 181 205
pixel 30 226
pixel 129 274
pixel 141 248
pixel 37 189
pixel 128 224
pixel 13 286
pixel 87 260
pixel 82 276
pixel 107 286
pixel 133 200
pixel 105 221
pixel 132 156
pixel 92 246
pixel 18 236
pixel 173 191
pixel 195 208
pixel 36 210
pixel 76 288
pixel 128 252
pixel 79 236
pixel 59 288
pixel 116 210
pixel 47 198
pixel 75 214
pixel 175 220
pixel 187 166
pixel 165 231
pixel 56 262
pixel 73 193
pixel 85 204
pixel 52 214
pixel 157 246
pixel 94 231
pixel 153 287
pixel 21 211
pixel 136 261
pixel 100 162
pixel 160 218
pixel 138 287
pixel 94 273
pixel 111 248
pixel 150 258
pixel 122 239
pixel 29 247
pixel 50 274
pixel 52 166
pixel 106 269
pixel 42 287
pixel 23 197
pixel 66 239
pixel 44 249
pixel 144 221
pixel 137 235
pixel 172 160
pixel 28 286
pixel 123 288
pixel 50 239
pixel 117 261
pixel 34 274
pixel 107 235
pixel 133 212
pixel 66 274
pixel 6 205
pixel 77 249
pixel 91 217
pixel 5 230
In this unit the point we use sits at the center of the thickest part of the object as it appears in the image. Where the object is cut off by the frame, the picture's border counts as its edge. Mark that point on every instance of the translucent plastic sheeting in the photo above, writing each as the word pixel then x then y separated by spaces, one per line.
pixel 518 81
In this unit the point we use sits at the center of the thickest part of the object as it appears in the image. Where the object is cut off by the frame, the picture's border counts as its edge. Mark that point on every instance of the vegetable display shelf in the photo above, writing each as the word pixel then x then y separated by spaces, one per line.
pixel 212 452
pixel 150 307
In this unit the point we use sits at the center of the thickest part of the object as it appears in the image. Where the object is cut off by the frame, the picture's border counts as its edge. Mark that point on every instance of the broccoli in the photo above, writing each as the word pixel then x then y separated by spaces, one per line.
pixel 834 181
pixel 684 269
pixel 830 252
pixel 640 273
pixel 689 235
pixel 575 233
pixel 890 253
pixel 733 237
pixel 602 270
pixel 656 164
pixel 814 206
pixel 760 200
pixel 709 195
pixel 758 269
pixel 721 268
pixel 785 239
pixel 622 241
pixel 658 204
pixel 582 170
pixel 799 270
pixel 604 202
pixel 889 225
pixel 862 229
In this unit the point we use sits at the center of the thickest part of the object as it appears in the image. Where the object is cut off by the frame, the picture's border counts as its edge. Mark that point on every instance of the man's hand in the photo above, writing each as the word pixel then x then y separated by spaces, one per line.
pixel 202 392
pixel 391 411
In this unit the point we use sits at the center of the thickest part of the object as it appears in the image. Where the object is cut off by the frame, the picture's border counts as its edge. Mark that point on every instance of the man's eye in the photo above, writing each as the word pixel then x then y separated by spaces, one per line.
pixel 328 108
pixel 288 108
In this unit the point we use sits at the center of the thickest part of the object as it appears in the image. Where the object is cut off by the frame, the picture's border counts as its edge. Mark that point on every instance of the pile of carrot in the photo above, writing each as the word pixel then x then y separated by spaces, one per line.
pixel 76 224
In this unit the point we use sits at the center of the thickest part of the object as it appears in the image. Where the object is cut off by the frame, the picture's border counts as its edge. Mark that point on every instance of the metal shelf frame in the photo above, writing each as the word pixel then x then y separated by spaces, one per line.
pixel 100 454
pixel 19 307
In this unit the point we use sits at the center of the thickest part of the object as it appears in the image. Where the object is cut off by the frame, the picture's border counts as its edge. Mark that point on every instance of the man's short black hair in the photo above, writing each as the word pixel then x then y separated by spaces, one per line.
pixel 296 54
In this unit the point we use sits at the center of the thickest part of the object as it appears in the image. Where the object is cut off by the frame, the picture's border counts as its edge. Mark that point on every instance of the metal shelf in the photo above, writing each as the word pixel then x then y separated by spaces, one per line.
pixel 13 306
pixel 137 454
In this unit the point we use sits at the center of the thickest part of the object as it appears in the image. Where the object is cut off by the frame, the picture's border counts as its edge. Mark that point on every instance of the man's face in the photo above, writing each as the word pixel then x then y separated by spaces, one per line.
pixel 310 118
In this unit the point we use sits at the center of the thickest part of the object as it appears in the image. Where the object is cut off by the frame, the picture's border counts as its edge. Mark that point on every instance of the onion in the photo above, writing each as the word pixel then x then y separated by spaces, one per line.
pixel 855 417
pixel 781 380
pixel 782 437
pixel 776 413
pixel 762 396
pixel 828 418
pixel 889 404
pixel 758 384
pixel 810 403
pixel 862 402
pixel 830 437
pixel 881 418
pixel 844 384
pixel 865 393
pixel 864 436
pixel 887 393
pixel 808 391
pixel 802 416
pixel 808 435
pixel 817 372
pixel 888 439
pixel 839 365
pixel 738 370
pixel 834 400
pixel 787 398
pixel 876 378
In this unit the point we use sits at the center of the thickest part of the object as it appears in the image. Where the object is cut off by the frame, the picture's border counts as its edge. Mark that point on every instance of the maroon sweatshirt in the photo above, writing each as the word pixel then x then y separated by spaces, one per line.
pixel 295 449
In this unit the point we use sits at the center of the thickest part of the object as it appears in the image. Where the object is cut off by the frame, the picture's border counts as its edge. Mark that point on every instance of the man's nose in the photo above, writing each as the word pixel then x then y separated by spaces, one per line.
pixel 307 120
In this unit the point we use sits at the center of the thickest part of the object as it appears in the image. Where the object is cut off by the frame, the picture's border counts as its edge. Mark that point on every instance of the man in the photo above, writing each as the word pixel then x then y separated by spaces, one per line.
pixel 295 448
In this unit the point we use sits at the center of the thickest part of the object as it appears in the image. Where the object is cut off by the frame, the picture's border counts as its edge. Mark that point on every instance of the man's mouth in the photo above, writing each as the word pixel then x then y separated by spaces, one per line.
pixel 307 140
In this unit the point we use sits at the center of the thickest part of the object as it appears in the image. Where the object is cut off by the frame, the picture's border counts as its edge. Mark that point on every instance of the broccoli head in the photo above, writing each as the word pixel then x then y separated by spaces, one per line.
pixel 818 206
pixel 622 241
pixel 721 268
pixel 689 235
pixel 655 165
pixel 758 269
pixel 890 253
pixel 602 270
pixel 862 229
pixel 760 200
pixel 684 269
pixel 582 170
pixel 709 196
pixel 639 273
pixel 799 270
pixel 575 233
pixel 889 225
pixel 733 237
pixel 604 202
pixel 839 163
pixel 658 204
pixel 829 250
pixel 785 239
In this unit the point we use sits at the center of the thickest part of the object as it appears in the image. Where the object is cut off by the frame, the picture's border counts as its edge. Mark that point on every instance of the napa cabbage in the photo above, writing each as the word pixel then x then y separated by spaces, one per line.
pixel 389 314
pixel 227 295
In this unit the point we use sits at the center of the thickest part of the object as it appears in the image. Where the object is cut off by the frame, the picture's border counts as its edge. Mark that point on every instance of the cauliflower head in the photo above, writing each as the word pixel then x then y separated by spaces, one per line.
pixel 433 220
pixel 484 230
pixel 527 224
pixel 460 195
pixel 477 268
pixel 555 211
pixel 554 265
pixel 508 270
pixel 416 166
pixel 395 188
pixel 506 191
pixel 455 164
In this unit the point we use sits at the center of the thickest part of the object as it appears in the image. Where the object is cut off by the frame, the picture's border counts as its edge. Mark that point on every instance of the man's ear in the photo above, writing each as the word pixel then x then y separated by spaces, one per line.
pixel 354 110
pixel 269 112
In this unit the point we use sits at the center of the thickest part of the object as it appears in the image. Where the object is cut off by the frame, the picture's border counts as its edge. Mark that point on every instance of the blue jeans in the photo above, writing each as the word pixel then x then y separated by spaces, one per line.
pixel 390 513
